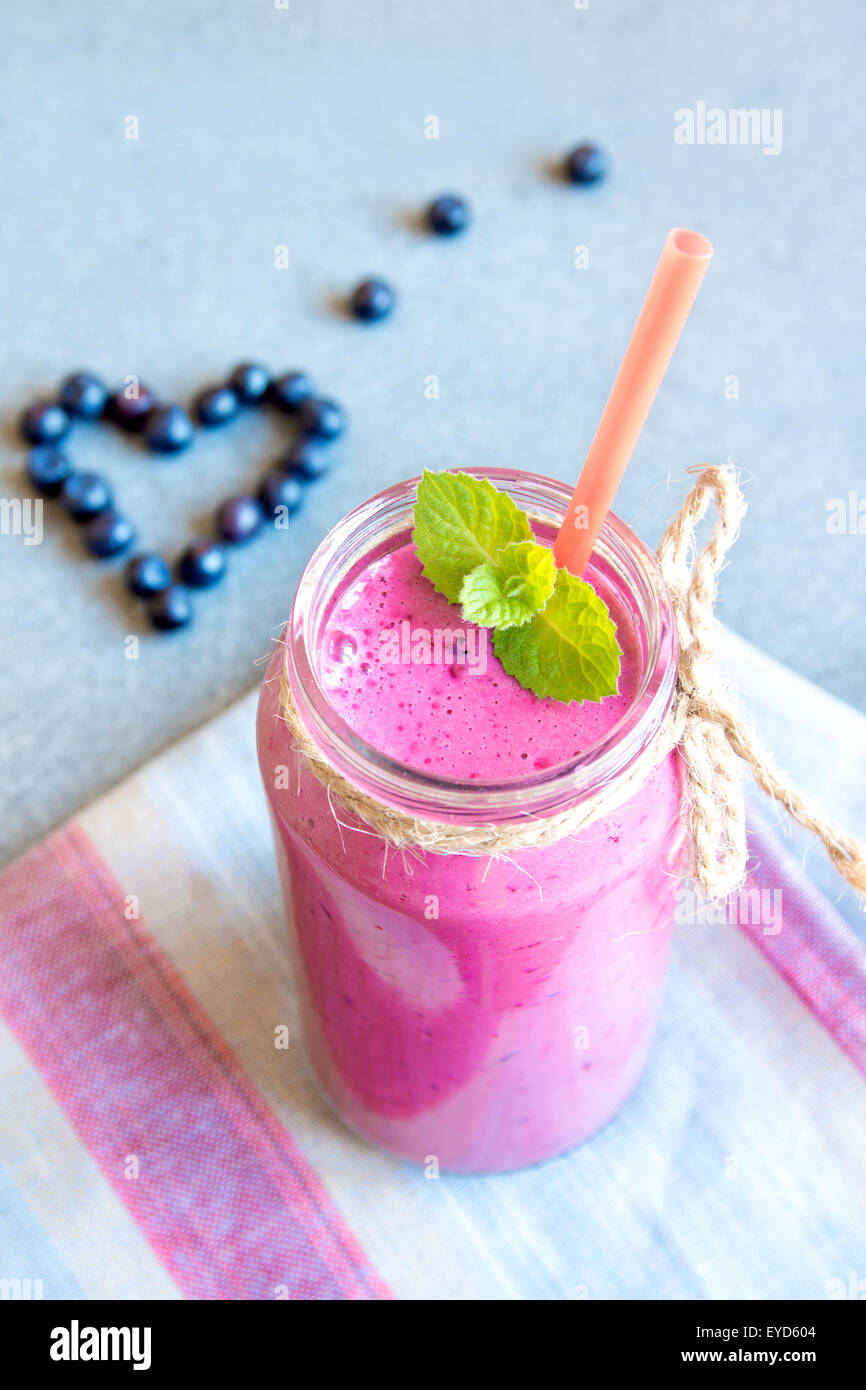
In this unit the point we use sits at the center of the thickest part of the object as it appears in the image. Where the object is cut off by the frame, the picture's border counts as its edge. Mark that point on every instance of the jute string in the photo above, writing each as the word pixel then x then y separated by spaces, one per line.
pixel 705 724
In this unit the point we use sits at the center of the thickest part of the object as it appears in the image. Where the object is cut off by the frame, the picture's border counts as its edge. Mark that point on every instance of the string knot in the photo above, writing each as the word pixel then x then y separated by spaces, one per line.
pixel 713 734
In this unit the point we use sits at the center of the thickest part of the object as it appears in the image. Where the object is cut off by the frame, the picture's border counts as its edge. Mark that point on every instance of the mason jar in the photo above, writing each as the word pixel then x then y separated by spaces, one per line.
pixel 513 1022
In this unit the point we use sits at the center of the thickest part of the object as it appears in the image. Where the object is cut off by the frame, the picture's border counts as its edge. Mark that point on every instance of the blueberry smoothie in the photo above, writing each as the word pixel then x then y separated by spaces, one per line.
pixel 482 1012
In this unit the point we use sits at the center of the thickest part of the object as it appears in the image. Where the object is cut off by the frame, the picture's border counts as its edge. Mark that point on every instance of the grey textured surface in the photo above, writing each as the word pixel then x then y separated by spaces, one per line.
pixel 305 127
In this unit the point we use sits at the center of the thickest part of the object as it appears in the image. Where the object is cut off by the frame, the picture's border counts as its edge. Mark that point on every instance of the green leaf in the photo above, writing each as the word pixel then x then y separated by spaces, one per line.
pixel 552 632
pixel 507 594
pixel 462 522
pixel 569 651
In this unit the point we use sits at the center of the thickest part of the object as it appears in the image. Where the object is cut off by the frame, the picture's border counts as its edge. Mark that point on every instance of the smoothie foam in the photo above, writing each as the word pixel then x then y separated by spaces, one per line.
pixel 463 719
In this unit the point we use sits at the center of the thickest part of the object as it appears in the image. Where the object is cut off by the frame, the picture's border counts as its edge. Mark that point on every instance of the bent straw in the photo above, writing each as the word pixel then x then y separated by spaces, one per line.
pixel 677 279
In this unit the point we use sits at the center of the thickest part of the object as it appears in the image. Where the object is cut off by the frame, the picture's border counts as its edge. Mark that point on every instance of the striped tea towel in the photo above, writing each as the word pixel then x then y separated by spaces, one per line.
pixel 155 1143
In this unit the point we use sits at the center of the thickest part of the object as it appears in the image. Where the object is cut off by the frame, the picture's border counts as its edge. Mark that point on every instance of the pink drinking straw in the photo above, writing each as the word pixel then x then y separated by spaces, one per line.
pixel 681 268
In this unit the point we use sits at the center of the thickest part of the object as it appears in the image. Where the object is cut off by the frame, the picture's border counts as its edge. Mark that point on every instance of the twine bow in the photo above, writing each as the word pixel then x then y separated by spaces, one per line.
pixel 713 732
pixel 705 724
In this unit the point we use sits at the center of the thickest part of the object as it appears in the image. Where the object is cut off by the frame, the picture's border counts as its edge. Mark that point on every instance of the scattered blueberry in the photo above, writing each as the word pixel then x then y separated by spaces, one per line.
pixel 321 418
pixel 85 495
pixel 130 411
pixel 281 489
pixel 586 164
pixel 291 390
pixel 169 429
pixel 373 299
pixel 239 519
pixel 218 405
pixel 44 422
pixel 147 575
pixel 308 457
pixel 83 395
pixel 48 468
pixel 203 563
pixel 251 382
pixel 170 608
pixel 108 533
pixel 449 214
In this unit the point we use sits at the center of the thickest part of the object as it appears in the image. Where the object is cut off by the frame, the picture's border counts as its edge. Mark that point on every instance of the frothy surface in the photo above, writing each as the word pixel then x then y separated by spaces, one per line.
pixel 455 718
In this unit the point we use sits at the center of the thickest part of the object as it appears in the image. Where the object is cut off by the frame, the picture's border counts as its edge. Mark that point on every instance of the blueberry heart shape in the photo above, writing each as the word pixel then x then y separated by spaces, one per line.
pixel 168 429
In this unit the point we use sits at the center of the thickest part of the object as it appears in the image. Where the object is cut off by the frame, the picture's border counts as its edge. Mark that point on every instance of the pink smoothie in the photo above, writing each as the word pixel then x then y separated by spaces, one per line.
pixel 488 1014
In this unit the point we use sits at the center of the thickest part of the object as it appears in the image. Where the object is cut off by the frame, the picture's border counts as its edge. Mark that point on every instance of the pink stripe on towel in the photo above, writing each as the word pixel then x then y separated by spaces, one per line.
pixel 815 949
pixel 225 1197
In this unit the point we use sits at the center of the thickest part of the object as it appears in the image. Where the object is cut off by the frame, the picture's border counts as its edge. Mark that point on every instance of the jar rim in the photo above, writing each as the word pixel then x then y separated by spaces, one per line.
pixel 380 522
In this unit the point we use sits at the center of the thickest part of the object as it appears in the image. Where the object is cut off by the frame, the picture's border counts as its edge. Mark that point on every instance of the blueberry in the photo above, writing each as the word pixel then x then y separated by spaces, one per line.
pixel 291 390
pixel 85 495
pixel 169 429
pixel 449 214
pixel 281 489
pixel 170 608
pixel 48 468
pixel 373 299
pixel 83 395
pixel 130 406
pixel 251 382
pixel 147 575
pixel 239 518
pixel 218 405
pixel 586 164
pixel 203 563
pixel 108 533
pixel 322 419
pixel 307 457
pixel 44 422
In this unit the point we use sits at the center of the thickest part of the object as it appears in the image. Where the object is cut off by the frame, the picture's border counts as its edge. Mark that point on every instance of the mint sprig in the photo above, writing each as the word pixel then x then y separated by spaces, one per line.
pixel 552 631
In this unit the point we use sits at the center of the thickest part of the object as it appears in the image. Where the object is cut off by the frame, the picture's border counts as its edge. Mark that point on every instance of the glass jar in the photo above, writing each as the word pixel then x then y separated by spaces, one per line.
pixel 515 1021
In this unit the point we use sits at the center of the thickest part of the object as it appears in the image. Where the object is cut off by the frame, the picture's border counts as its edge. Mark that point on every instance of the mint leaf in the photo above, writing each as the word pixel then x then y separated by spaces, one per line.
pixel 460 523
pixel 507 594
pixel 552 632
pixel 569 651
